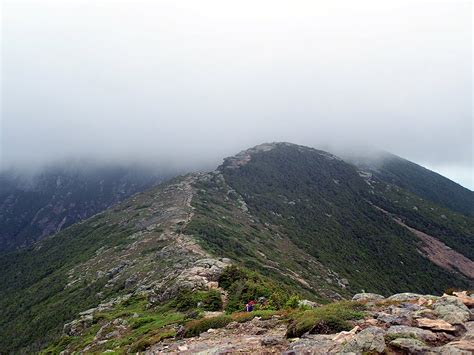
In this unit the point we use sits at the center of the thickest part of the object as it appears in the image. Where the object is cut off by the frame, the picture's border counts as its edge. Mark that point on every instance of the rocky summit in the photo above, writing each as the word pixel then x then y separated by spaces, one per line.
pixel 282 248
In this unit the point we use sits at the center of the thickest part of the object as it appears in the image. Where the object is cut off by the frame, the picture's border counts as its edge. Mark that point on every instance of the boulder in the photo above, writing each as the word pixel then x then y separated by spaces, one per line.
pixel 435 324
pixel 307 303
pixel 367 297
pixel 469 335
pixel 405 297
pixel 465 298
pixel 394 319
pixel 369 340
pixel 458 347
pixel 425 313
pixel 77 326
pixel 452 310
pixel 410 345
pixel 403 331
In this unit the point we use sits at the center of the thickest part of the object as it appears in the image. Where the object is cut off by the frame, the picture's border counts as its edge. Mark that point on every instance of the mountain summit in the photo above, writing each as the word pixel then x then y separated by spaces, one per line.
pixel 272 221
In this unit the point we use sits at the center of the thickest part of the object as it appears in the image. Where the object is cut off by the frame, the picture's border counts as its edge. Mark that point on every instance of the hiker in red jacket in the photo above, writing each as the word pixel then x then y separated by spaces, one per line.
pixel 249 306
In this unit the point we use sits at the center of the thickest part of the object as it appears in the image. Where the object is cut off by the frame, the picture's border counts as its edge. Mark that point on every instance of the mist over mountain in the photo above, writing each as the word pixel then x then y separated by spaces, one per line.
pixel 36 204
pixel 187 86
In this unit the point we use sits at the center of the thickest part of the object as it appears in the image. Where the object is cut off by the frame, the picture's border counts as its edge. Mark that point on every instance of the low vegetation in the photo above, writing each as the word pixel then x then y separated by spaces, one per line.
pixel 243 285
pixel 327 319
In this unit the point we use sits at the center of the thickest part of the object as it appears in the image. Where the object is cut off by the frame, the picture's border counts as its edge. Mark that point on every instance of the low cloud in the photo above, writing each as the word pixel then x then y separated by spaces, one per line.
pixel 190 83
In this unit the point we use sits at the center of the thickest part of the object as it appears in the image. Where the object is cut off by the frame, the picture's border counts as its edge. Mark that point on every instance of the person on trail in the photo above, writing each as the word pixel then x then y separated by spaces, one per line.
pixel 249 306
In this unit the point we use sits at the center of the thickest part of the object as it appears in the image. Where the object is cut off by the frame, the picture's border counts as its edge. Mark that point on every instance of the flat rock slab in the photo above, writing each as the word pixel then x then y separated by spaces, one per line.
pixel 410 345
pixel 435 324
pixel 402 331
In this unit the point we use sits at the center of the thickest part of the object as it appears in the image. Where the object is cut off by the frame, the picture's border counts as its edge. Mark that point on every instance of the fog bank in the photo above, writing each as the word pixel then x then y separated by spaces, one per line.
pixel 187 83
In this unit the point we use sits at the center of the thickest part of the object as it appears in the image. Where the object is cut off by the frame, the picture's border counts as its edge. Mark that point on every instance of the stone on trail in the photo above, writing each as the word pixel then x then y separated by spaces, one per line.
pixel 367 297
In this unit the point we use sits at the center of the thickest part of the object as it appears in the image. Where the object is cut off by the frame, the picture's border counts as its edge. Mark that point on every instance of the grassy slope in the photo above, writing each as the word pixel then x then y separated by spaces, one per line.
pixel 321 204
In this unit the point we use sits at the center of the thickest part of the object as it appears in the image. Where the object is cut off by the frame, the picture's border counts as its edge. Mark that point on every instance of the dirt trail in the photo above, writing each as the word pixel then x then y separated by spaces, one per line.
pixel 252 337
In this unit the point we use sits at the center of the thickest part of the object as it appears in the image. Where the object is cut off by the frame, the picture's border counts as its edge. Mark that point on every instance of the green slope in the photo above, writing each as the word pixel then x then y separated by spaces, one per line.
pixel 325 208
pixel 418 180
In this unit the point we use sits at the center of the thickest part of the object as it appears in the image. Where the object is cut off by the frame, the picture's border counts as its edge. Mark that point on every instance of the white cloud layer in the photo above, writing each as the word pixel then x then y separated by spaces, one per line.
pixel 194 81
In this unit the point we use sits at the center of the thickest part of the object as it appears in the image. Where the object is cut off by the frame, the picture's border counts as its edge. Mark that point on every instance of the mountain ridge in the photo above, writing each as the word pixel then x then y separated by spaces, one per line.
pixel 300 220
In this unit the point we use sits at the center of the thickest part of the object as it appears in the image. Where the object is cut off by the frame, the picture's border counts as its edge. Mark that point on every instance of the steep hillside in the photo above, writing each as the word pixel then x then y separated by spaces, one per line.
pixel 325 208
pixel 32 208
pixel 276 223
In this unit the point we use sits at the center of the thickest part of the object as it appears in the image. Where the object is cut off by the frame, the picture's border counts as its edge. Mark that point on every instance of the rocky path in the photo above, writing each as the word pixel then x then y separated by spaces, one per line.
pixel 401 324
pixel 256 336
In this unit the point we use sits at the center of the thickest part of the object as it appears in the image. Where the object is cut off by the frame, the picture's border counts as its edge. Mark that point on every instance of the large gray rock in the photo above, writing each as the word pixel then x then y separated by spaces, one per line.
pixel 393 319
pixel 313 343
pixel 410 345
pixel 369 340
pixel 403 331
pixel 307 303
pixel 367 297
pixel 77 326
pixel 405 297
pixel 459 347
pixel 452 310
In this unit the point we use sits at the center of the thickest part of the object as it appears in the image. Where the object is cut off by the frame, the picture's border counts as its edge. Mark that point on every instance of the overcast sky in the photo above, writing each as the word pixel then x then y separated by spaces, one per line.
pixel 195 81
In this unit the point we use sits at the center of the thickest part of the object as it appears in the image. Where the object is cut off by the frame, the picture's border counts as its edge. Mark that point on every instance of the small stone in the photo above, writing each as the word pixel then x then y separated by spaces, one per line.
pixel 259 331
pixel 272 341
pixel 232 325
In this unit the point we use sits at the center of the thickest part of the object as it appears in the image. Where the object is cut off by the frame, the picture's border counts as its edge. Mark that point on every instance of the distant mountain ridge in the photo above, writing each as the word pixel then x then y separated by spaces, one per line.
pixel 418 180
pixel 300 220
pixel 37 206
